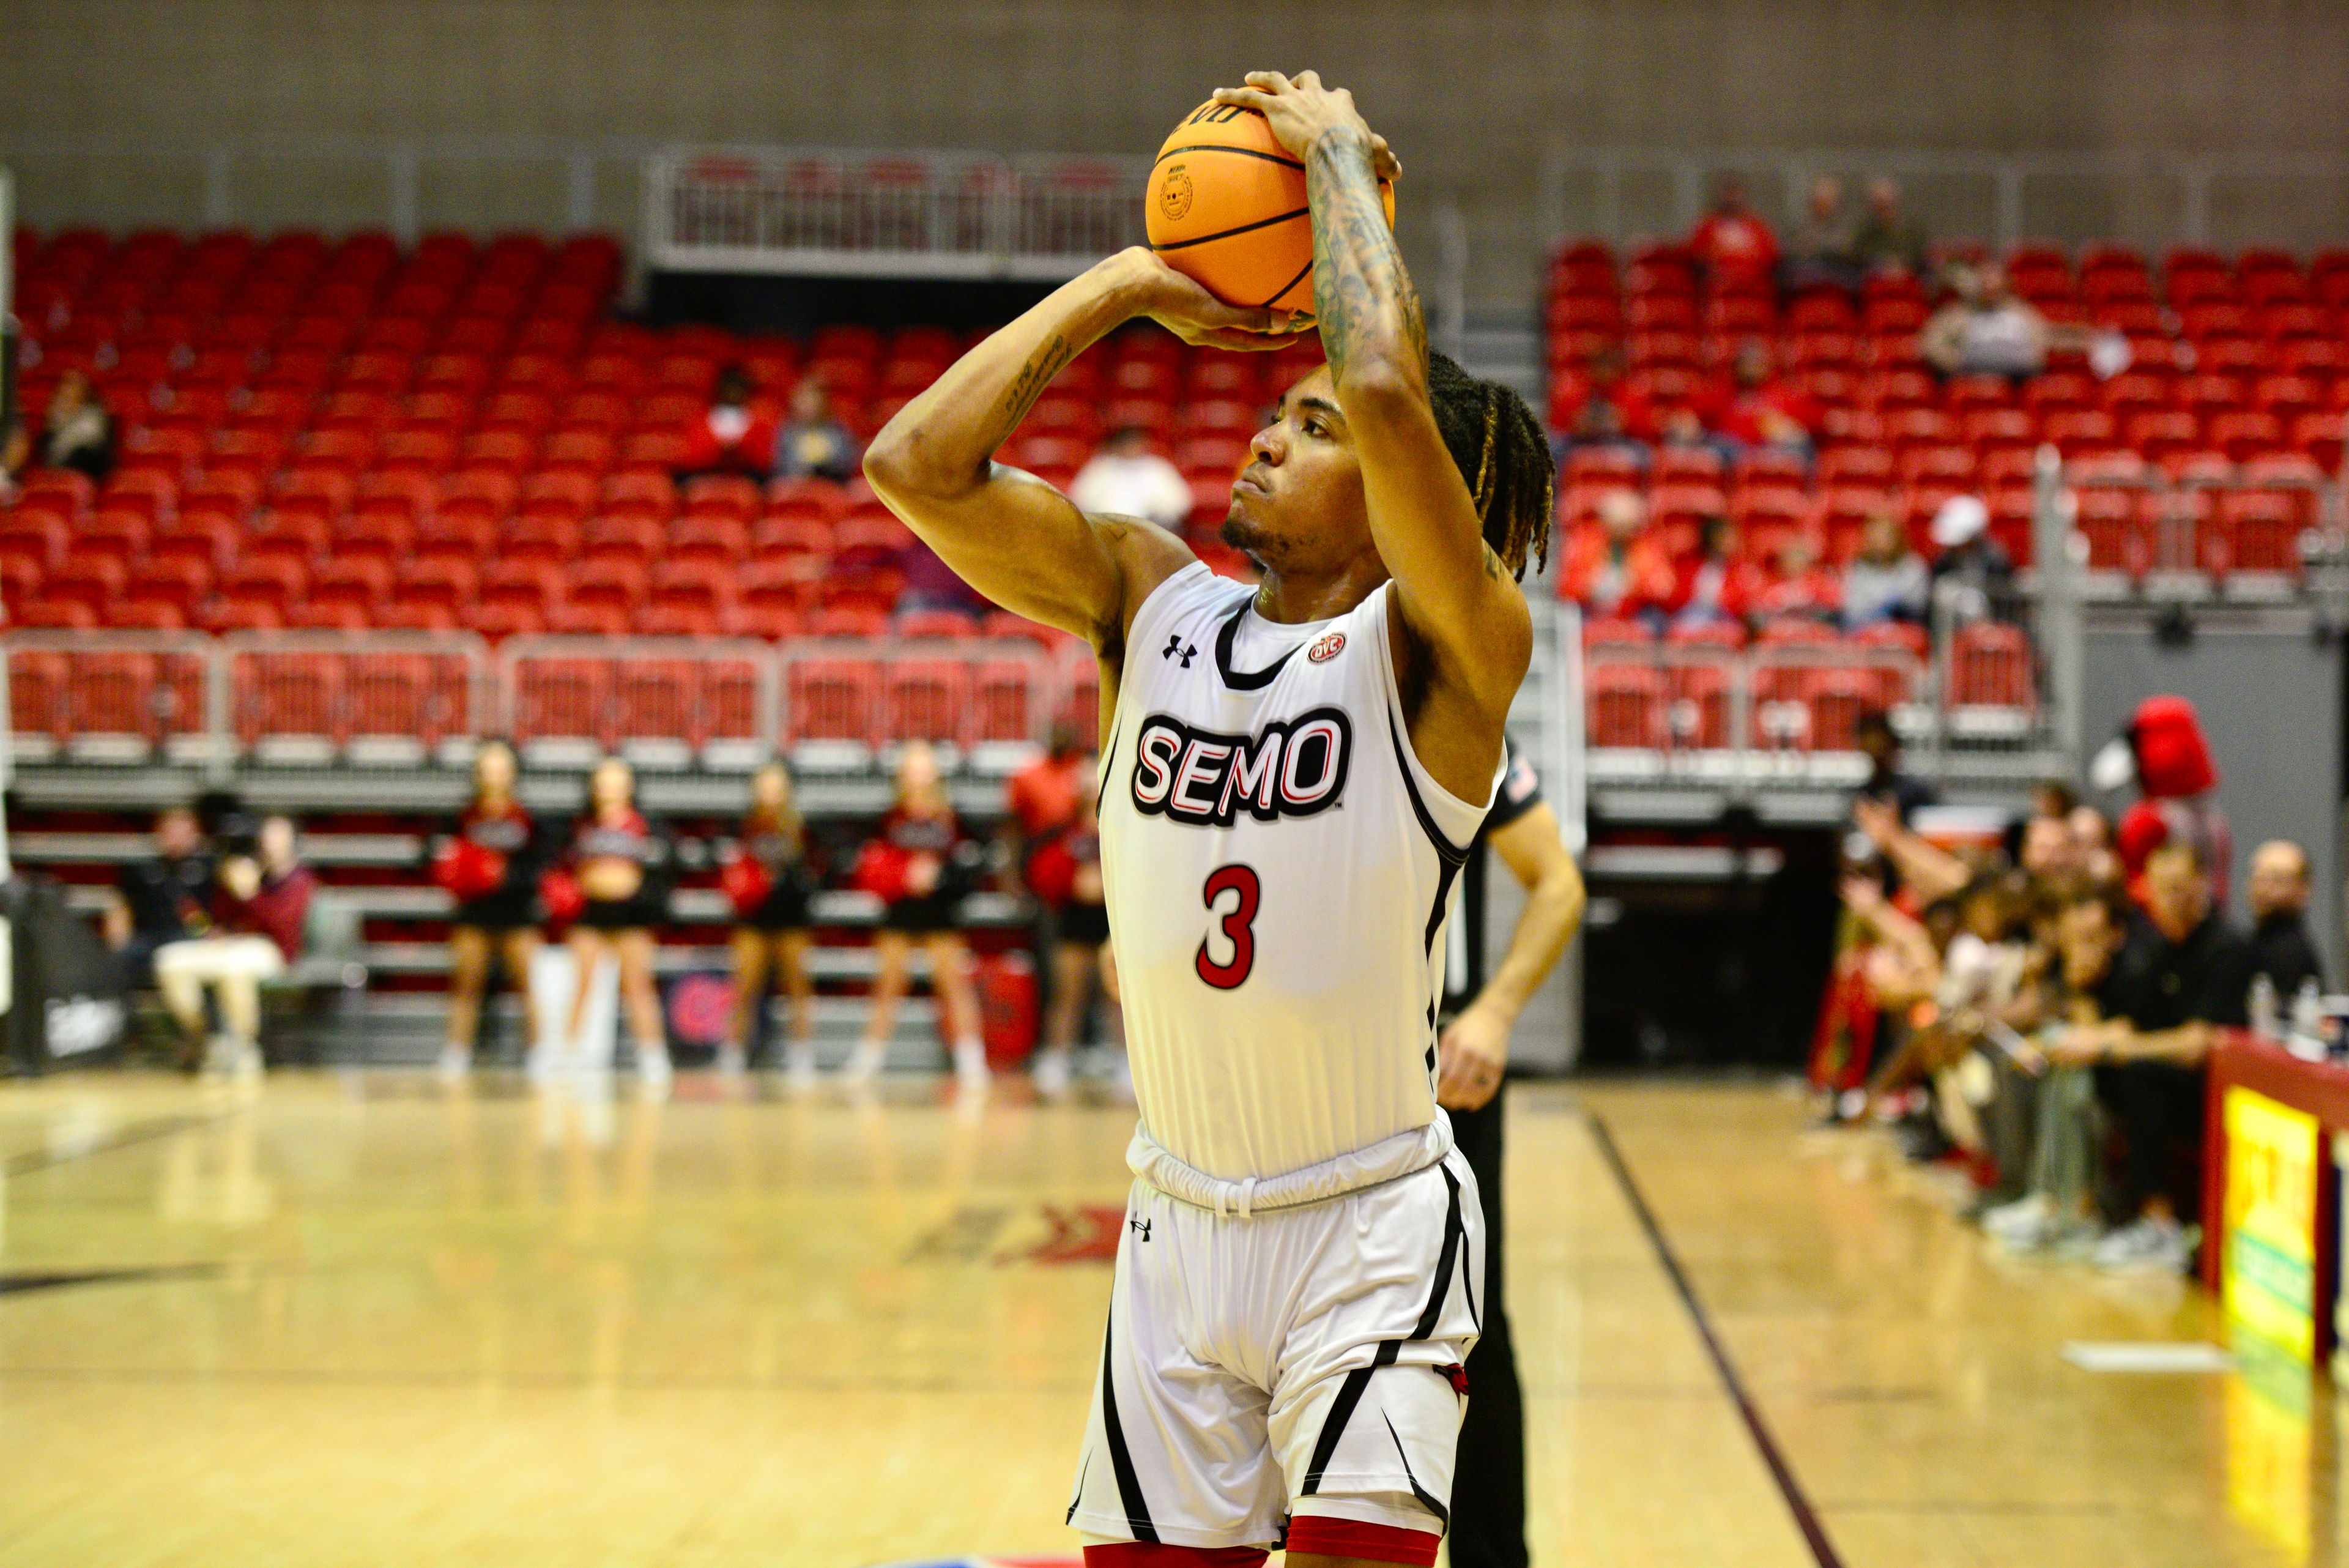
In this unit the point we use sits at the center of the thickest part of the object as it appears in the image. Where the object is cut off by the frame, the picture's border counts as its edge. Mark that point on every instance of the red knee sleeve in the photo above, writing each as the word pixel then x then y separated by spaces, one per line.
pixel 1360 1538
pixel 1151 1554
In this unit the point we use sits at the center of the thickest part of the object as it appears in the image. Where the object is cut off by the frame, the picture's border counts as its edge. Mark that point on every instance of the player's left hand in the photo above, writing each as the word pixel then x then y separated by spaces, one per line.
pixel 1470 1058
pixel 1302 110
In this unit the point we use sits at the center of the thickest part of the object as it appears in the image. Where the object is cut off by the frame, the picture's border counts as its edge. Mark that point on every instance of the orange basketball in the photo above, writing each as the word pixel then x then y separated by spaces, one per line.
pixel 1227 206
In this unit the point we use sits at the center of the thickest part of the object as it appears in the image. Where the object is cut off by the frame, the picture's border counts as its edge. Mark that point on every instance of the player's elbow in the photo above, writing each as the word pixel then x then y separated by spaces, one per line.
pixel 901 465
pixel 1376 381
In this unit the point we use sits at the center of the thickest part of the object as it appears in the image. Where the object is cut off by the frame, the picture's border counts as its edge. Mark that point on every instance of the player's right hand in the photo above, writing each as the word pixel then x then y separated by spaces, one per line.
pixel 1184 308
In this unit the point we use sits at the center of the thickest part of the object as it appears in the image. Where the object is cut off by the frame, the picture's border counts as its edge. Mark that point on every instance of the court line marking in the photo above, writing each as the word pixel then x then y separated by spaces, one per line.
pixel 136 1133
pixel 1806 1518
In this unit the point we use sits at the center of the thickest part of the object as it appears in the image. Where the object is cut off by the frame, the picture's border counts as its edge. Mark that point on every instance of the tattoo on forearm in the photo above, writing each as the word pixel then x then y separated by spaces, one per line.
pixel 1362 294
pixel 1029 385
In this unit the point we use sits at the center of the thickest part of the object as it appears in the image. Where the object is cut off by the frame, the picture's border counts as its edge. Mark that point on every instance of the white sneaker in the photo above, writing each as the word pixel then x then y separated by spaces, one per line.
pixel 221 1056
pixel 247 1063
pixel 2150 1245
pixel 732 1061
pixel 971 1066
pixel 1051 1075
pixel 864 1064
pixel 799 1066
pixel 456 1061
pixel 2025 1214
pixel 653 1070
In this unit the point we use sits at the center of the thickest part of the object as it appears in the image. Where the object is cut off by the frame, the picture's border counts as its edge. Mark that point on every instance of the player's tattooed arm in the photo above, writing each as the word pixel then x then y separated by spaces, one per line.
pixel 1368 308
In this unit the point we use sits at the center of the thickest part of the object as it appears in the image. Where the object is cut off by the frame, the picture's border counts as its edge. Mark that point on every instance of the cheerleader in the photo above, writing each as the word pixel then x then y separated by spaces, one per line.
pixel 920 865
pixel 488 863
pixel 623 865
pixel 769 885
pixel 1065 875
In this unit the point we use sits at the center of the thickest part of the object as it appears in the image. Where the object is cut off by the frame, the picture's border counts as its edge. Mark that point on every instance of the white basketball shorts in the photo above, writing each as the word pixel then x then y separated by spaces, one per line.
pixel 1290 1375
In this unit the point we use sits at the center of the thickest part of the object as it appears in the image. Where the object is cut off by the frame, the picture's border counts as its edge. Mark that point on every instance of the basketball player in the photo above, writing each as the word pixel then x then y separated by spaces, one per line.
pixel 1291 778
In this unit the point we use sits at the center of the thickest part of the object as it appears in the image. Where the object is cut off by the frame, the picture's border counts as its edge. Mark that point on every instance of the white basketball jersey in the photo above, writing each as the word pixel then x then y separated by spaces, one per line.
pixel 1278 868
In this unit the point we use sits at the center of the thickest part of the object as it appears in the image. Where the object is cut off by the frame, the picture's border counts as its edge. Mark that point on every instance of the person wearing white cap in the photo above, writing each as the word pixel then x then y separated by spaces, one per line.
pixel 1972 573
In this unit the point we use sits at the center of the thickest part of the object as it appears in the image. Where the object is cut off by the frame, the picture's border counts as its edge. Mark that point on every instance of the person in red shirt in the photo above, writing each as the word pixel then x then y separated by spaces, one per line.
pixel 1066 876
pixel 1754 409
pixel 768 884
pixel 1613 566
pixel 921 864
pixel 1732 243
pixel 1715 585
pixel 736 434
pixel 488 862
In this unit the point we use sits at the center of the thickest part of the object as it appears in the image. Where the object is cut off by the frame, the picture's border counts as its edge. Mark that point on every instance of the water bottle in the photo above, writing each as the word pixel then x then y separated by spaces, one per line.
pixel 2263 1006
pixel 2308 1011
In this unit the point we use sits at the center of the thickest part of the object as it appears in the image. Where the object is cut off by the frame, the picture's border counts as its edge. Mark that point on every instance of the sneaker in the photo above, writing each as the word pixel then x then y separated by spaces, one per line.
pixel 2150 1245
pixel 1051 1075
pixel 864 1064
pixel 971 1066
pixel 653 1070
pixel 246 1064
pixel 732 1061
pixel 456 1061
pixel 2027 1215
pixel 799 1066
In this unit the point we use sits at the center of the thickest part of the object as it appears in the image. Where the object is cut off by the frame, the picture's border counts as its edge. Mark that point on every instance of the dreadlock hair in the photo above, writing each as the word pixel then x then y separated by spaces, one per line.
pixel 1504 456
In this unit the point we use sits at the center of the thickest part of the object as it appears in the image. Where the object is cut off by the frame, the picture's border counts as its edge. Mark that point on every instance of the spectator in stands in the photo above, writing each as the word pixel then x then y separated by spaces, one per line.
pixel 1066 876
pixel 734 435
pixel 77 432
pixel 1602 409
pixel 16 456
pixel 1885 241
pixel 1614 566
pixel 2279 892
pixel 816 441
pixel 2094 834
pixel 2182 971
pixel 1754 410
pixel 768 884
pixel 1731 242
pixel 1125 478
pixel 625 866
pixel 1974 576
pixel 1990 330
pixel 1823 250
pixel 488 863
pixel 1716 586
pixel 163 899
pixel 260 899
pixel 1800 588
pixel 1888 785
pixel 921 864
pixel 1887 580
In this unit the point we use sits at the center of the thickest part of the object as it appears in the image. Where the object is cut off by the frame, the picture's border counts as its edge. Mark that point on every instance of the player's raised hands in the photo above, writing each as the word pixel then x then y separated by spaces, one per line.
pixel 1300 110
pixel 1187 310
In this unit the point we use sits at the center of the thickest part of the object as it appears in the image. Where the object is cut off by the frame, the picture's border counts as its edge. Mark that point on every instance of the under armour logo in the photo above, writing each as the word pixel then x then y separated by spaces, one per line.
pixel 1143 1226
pixel 1174 648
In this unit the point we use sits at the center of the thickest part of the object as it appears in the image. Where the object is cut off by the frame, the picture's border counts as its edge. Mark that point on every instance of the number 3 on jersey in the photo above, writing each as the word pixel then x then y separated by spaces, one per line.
pixel 1238 924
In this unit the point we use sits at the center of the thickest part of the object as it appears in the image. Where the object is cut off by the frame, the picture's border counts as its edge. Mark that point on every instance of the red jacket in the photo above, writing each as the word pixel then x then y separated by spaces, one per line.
pixel 1646 581
pixel 752 452
pixel 277 910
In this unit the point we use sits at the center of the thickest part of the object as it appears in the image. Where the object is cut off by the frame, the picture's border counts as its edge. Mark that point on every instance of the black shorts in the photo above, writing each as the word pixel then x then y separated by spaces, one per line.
pixel 507 910
pixel 785 909
pixel 1076 922
pixel 928 913
pixel 618 914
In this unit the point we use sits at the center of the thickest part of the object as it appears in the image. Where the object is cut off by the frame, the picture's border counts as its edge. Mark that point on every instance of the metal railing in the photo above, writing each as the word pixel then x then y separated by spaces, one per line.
pixel 411 700
pixel 838 212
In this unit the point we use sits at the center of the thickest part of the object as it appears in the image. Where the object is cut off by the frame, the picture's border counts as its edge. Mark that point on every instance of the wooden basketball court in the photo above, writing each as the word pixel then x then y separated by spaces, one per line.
pixel 358 1320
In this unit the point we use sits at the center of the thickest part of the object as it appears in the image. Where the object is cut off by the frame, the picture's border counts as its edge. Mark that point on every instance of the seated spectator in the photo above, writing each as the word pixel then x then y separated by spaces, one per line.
pixel 1731 242
pixel 2182 971
pixel 1887 580
pixel 2279 890
pixel 1602 409
pixel 2094 834
pixel 1716 586
pixel 1801 588
pixel 1824 243
pixel 77 432
pixel 1885 241
pixel 1614 566
pixel 260 900
pixel 1990 330
pixel 165 898
pixel 734 435
pixel 1973 577
pixel 1125 478
pixel 1756 409
pixel 814 442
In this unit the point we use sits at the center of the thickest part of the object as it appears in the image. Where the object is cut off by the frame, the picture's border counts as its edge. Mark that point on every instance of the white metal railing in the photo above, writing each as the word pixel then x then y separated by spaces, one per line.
pixel 403 699
pixel 840 211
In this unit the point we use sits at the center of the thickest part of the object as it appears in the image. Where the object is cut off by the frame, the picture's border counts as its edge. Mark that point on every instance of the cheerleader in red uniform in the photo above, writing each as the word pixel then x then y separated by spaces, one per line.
pixel 488 863
pixel 1065 873
pixel 769 885
pixel 623 867
pixel 921 864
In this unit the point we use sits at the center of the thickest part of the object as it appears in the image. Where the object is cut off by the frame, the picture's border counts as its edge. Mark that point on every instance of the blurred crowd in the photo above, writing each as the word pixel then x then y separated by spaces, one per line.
pixel 2038 1011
